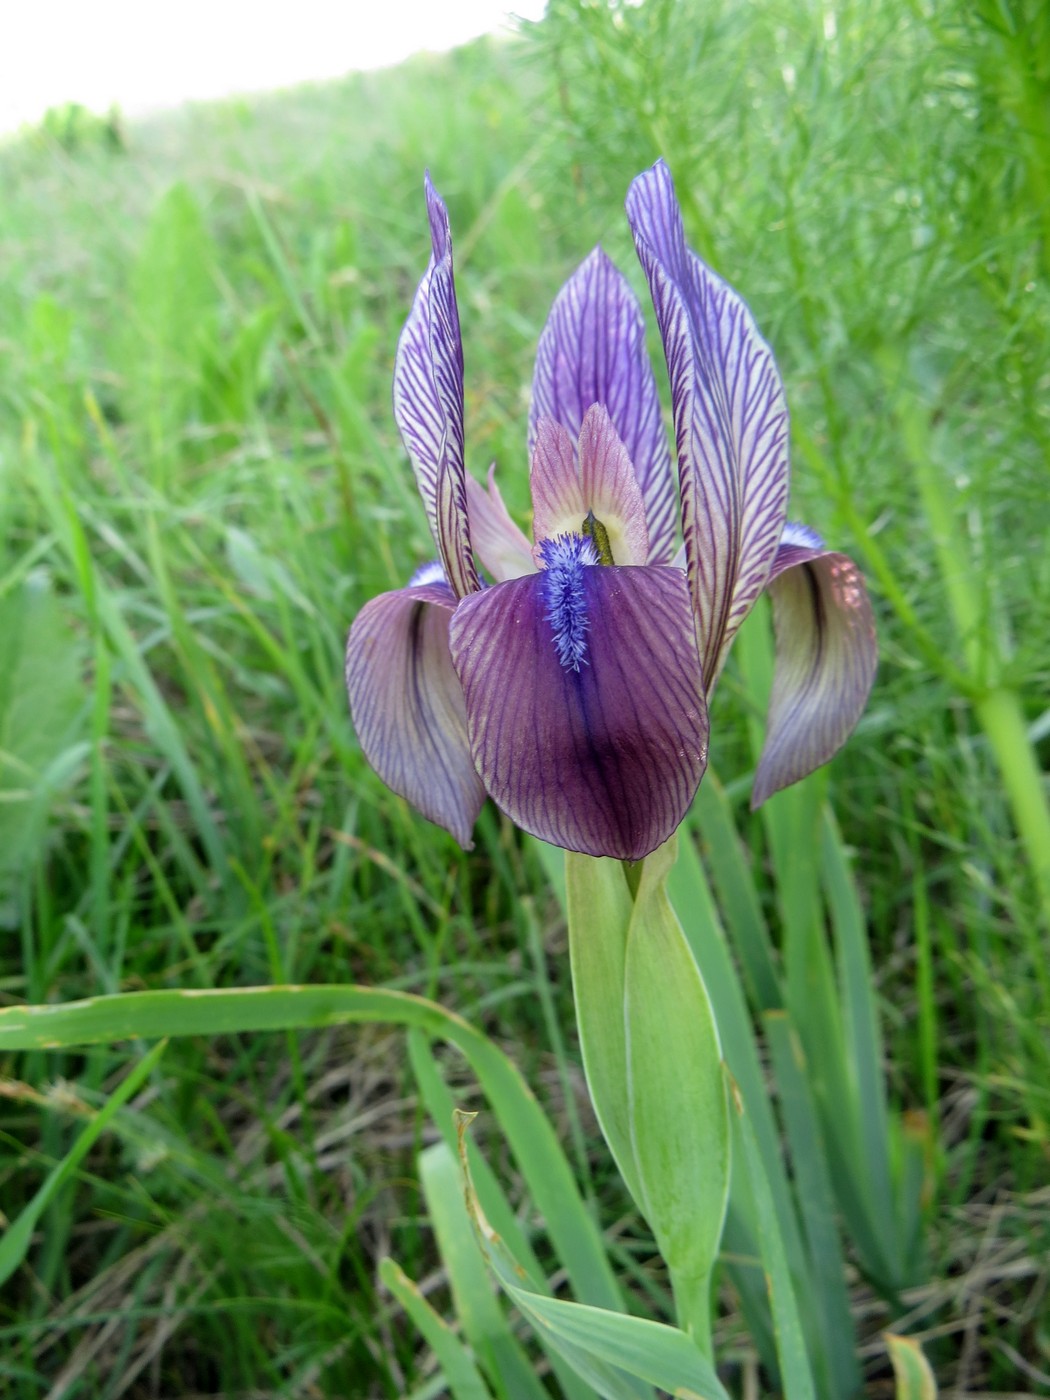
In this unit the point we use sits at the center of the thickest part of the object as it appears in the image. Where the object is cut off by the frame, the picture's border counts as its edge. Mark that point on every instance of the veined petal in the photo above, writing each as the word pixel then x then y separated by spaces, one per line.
pixel 826 656
pixel 558 506
pixel 731 421
pixel 428 401
pixel 592 350
pixel 407 705
pixel 603 484
pixel 602 757
pixel 501 546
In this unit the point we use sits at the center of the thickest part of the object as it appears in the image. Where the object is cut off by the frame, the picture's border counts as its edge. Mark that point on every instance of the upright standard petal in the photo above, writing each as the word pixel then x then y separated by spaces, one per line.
pixel 585 703
pixel 407 705
pixel 501 546
pixel 598 480
pixel 592 350
pixel 730 417
pixel 826 656
pixel 428 402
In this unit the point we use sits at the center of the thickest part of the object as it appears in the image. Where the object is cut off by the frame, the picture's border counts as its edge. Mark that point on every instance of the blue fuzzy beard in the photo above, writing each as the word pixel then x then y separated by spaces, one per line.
pixel 565 559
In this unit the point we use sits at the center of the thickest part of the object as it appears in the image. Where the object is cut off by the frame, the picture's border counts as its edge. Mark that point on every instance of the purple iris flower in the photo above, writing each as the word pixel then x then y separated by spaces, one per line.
pixel 573 688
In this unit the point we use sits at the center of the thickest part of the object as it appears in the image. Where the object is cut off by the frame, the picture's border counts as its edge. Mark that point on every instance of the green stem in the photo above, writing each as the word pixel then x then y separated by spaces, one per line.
pixel 1002 719
pixel 692 1298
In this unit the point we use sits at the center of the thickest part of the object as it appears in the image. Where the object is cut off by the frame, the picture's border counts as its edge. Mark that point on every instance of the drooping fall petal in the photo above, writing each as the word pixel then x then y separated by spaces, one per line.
pixel 826 656
pixel 592 350
pixel 428 402
pixel 585 704
pixel 408 708
pixel 603 484
pixel 501 546
pixel 730 416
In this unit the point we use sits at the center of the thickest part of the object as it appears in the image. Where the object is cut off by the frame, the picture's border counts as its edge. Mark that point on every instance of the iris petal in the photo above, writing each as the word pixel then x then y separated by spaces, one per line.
pixel 501 546
pixel 604 484
pixel 826 656
pixel 407 705
pixel 731 421
pixel 604 759
pixel 592 350
pixel 428 401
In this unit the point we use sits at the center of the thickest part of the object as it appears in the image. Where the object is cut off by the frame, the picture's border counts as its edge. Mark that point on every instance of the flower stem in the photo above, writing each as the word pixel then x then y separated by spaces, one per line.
pixel 1002 719
pixel 692 1298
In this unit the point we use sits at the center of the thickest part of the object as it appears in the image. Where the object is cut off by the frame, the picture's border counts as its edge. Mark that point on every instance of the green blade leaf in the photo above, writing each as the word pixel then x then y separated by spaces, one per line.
pixel 795 1374
pixel 915 1380
pixel 462 1375
pixel 442 1110
pixel 611 1350
pixel 679 1119
pixel 599 907
pixel 147 1015
pixel 16 1239
pixel 475 1302
pixel 836 1358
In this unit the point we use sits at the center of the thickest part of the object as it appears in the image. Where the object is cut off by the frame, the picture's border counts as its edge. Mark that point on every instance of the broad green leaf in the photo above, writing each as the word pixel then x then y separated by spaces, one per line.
pixel 676 1094
pixel 147 1015
pixel 611 1350
pixel 462 1375
pixel 599 908
pixel 915 1380
pixel 688 886
pixel 17 1237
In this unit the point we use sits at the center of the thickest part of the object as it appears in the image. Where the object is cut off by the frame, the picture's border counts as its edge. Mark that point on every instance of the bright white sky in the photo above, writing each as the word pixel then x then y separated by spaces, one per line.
pixel 146 54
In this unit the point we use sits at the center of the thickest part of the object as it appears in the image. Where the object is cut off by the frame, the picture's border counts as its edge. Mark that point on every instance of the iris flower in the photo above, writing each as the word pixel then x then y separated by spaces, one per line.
pixel 571 684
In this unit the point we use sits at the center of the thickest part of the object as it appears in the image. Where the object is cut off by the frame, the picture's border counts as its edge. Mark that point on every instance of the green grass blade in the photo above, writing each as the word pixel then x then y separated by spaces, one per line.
pixel 835 1357
pixel 863 1047
pixel 442 1109
pixel 475 1302
pixel 151 1014
pixel 611 1350
pixel 796 1377
pixel 712 818
pixel 911 1370
pixel 463 1379
pixel 17 1237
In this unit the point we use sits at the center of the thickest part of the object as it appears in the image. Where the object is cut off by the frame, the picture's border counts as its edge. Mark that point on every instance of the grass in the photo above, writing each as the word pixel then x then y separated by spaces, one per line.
pixel 200 484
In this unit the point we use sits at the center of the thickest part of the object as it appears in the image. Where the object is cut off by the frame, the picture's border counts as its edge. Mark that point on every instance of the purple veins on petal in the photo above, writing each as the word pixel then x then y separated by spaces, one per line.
pixel 604 759
pixel 564 560
pixel 730 417
pixel 428 401
pixel 592 351
pixel 407 704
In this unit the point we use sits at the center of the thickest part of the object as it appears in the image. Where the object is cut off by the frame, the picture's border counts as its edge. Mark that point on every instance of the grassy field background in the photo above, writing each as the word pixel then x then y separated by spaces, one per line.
pixel 200 485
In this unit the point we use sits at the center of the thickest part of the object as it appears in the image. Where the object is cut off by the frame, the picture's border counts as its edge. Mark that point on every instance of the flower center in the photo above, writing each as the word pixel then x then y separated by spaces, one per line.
pixel 594 530
pixel 564 559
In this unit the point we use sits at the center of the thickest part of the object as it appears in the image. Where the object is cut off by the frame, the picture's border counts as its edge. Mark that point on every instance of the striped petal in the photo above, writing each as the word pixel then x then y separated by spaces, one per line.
pixel 500 544
pixel 592 350
pixel 428 402
pixel 590 731
pixel 604 484
pixel 826 656
pixel 730 417
pixel 407 705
